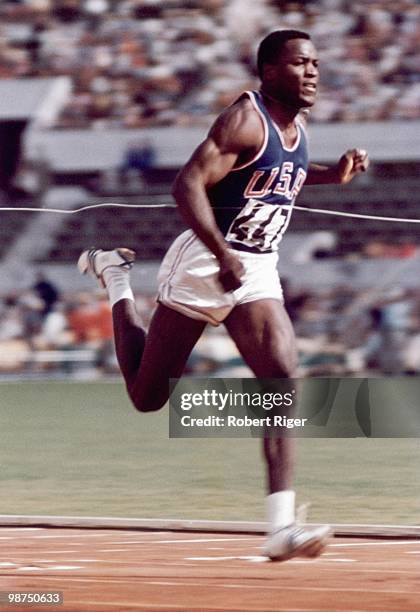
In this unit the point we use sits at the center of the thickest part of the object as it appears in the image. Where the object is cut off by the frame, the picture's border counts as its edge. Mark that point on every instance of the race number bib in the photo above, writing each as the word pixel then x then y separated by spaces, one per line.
pixel 260 226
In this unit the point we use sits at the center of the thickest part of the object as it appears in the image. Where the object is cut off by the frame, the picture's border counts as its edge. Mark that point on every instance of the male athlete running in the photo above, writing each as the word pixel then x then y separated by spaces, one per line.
pixel 236 193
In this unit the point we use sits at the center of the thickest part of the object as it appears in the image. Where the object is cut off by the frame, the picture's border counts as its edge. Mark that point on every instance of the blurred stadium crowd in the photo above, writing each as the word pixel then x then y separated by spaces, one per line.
pixel 45 332
pixel 136 63
pixel 145 63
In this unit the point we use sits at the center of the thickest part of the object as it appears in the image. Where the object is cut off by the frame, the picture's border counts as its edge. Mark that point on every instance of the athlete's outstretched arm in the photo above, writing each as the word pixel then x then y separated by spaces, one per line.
pixel 351 163
pixel 236 135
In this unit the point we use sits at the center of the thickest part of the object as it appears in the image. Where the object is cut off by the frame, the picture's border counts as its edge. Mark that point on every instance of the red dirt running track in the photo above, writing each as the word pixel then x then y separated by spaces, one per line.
pixel 103 570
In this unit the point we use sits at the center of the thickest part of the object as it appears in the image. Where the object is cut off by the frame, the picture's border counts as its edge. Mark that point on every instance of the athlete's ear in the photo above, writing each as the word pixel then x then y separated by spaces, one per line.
pixel 268 73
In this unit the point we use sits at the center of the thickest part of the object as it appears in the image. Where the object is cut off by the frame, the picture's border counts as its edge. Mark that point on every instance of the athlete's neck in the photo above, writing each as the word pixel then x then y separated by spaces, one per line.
pixel 281 113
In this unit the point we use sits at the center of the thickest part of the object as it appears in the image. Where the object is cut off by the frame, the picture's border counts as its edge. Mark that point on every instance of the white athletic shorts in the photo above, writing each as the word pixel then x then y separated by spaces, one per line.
pixel 188 280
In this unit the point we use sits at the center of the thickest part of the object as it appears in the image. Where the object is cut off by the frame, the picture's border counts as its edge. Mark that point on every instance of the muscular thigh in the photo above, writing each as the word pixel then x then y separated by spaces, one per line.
pixel 264 335
pixel 170 340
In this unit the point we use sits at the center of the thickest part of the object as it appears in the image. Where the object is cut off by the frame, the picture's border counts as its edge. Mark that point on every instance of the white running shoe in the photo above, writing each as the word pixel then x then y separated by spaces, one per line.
pixel 96 261
pixel 296 541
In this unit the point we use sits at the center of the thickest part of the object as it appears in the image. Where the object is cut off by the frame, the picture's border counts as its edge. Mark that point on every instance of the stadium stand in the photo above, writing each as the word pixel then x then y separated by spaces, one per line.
pixel 173 62
pixel 118 73
pixel 108 227
pixel 10 227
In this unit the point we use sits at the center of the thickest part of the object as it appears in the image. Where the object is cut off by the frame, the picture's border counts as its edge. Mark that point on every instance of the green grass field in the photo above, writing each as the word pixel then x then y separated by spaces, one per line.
pixel 80 449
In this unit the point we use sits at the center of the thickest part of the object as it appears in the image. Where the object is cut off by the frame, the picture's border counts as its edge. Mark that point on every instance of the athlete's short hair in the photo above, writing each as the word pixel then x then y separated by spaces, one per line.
pixel 271 45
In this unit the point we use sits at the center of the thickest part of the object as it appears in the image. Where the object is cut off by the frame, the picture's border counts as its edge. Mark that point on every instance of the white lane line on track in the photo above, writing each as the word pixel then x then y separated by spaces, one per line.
pixel 352 544
pixel 49 561
pixel 43 562
pixel 72 535
pixel 201 540
pixel 252 559
pixel 19 529
pixel 365 570
pixel 65 567
pixel 112 550
pixel 117 562
pixel 340 560
pixel 74 561
pixel 261 559
pixel 7 564
pixel 195 541
pixel 49 568
pixel 27 553
pixel 142 542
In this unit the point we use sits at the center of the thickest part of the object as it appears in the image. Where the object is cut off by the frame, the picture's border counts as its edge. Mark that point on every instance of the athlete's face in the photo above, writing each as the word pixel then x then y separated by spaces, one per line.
pixel 293 79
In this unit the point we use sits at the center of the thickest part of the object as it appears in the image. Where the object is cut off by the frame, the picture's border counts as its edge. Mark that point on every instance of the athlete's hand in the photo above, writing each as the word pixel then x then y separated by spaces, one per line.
pixel 231 271
pixel 351 163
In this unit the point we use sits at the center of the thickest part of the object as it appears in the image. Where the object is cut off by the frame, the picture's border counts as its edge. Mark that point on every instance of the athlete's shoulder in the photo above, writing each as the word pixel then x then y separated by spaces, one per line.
pixel 240 122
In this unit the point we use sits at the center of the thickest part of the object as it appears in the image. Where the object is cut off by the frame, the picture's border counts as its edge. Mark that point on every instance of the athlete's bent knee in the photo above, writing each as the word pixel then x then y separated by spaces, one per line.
pixel 148 407
pixel 146 404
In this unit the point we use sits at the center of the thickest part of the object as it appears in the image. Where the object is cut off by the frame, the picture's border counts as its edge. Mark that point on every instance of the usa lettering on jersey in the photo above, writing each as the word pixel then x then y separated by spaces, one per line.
pixel 262 183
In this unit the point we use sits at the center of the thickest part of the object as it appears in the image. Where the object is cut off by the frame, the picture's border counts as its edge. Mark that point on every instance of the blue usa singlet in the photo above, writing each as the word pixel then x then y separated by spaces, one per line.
pixel 264 189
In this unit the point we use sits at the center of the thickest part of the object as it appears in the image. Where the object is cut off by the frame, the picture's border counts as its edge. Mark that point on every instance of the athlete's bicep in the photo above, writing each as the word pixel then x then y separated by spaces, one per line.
pixel 209 164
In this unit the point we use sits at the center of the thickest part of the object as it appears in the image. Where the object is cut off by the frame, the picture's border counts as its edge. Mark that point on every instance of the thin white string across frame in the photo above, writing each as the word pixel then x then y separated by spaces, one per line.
pixel 80 209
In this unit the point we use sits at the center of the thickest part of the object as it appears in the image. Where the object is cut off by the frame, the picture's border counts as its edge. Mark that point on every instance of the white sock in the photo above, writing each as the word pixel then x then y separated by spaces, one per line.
pixel 281 509
pixel 117 282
